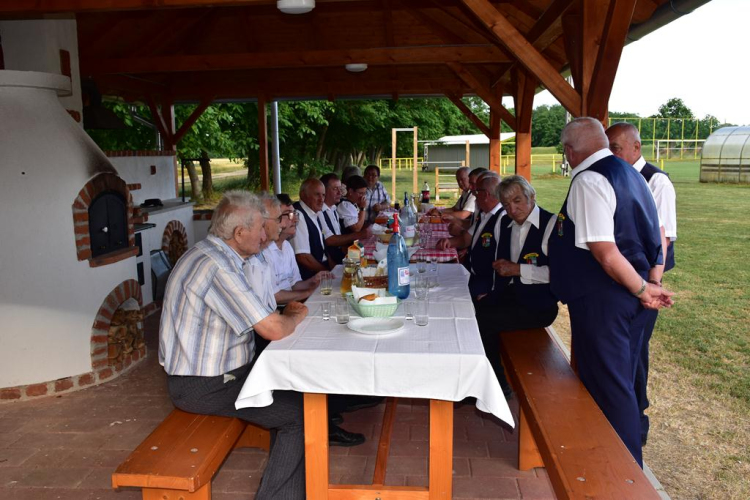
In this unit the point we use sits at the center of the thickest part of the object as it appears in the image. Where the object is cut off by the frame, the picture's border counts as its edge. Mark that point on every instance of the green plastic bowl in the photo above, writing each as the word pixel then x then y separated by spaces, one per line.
pixel 373 310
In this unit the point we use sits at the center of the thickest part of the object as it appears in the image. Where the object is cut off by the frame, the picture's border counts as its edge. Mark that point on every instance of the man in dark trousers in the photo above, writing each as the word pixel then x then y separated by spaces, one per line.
pixel 625 143
pixel 603 250
pixel 522 297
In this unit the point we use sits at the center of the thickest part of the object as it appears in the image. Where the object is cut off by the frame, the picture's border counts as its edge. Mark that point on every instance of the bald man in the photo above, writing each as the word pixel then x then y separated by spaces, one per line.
pixel 309 244
pixel 625 143
pixel 605 246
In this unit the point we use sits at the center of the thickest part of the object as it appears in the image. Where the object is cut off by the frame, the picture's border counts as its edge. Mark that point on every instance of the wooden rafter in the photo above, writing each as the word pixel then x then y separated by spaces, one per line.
pixel 525 85
pixel 293 59
pixel 447 32
pixel 526 53
pixel 161 125
pixel 483 91
pixel 469 114
pixel 197 112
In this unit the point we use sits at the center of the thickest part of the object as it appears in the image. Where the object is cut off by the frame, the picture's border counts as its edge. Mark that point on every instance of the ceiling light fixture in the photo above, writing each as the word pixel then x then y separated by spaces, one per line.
pixel 295 6
pixel 356 67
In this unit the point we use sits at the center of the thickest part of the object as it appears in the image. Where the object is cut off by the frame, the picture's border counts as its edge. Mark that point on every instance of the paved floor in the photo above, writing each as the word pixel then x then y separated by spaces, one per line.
pixel 66 447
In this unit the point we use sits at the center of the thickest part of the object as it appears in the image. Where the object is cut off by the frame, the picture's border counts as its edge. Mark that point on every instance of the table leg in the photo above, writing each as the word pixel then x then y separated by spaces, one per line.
pixel 316 445
pixel 441 450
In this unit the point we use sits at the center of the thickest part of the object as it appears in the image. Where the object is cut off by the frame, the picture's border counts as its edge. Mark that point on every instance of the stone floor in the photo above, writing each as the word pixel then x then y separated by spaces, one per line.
pixel 67 447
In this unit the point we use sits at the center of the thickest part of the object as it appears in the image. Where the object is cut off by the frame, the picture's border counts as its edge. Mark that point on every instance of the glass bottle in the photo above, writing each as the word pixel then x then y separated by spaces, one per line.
pixel 398 263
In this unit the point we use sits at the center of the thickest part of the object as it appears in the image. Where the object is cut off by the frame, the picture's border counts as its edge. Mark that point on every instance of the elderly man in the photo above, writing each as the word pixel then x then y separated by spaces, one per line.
pixel 625 143
pixel 206 341
pixel 308 243
pixel 377 197
pixel 481 239
pixel 605 245
pixel 466 203
pixel 522 297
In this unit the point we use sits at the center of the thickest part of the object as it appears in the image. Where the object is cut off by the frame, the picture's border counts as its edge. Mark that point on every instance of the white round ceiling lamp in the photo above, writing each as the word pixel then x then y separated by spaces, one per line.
pixel 356 67
pixel 295 6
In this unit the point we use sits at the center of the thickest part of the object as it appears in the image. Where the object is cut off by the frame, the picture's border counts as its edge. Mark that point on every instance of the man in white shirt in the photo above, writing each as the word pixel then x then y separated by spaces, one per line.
pixel 351 210
pixel 605 246
pixel 308 243
pixel 466 203
pixel 377 197
pixel 625 143
pixel 335 241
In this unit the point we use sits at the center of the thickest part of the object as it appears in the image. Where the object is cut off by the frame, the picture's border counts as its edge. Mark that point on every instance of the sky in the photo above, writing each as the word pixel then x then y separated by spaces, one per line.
pixel 701 58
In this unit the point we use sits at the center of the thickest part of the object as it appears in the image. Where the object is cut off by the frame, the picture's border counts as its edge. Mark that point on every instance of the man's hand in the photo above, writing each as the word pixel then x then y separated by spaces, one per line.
pixel 362 201
pixel 656 297
pixel 443 244
pixel 365 233
pixel 296 311
pixel 506 268
pixel 316 278
pixel 455 228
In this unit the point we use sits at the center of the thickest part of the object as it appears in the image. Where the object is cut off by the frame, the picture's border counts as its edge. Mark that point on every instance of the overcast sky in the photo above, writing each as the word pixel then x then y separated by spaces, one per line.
pixel 702 58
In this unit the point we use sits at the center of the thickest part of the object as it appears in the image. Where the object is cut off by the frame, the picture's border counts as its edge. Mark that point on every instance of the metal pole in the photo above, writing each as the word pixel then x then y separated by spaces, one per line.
pixel 275 147
pixel 183 181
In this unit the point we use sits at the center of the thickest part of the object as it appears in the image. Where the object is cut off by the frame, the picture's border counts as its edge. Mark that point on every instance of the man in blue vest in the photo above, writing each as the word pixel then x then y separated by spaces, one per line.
pixel 308 243
pixel 604 247
pixel 625 143
pixel 522 297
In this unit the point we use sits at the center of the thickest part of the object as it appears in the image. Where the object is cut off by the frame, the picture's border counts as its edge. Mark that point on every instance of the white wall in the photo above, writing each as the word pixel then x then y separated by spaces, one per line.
pixel 137 169
pixel 200 229
pixel 34 45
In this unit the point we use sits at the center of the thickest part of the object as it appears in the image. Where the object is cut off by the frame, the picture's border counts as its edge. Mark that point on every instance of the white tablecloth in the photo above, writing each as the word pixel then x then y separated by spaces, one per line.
pixel 444 360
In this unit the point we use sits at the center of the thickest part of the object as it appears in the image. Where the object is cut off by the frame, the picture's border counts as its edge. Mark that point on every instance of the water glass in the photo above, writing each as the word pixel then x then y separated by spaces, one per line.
pixel 325 309
pixel 421 285
pixel 421 264
pixel 342 311
pixel 326 283
pixel 408 310
pixel 433 264
pixel 421 312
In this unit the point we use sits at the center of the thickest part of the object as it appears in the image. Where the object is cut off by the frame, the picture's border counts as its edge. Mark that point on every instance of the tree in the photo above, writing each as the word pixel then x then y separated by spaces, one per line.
pixel 674 108
pixel 547 123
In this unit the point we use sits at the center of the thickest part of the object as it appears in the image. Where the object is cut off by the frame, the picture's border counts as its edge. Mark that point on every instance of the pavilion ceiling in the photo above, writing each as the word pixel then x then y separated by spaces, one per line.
pixel 193 50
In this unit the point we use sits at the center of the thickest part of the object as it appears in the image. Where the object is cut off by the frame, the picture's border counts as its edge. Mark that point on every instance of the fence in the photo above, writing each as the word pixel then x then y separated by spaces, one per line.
pixel 401 163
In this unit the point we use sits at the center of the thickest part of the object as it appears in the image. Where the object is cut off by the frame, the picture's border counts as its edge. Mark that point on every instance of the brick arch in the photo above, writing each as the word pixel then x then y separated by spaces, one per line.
pixel 98 184
pixel 174 241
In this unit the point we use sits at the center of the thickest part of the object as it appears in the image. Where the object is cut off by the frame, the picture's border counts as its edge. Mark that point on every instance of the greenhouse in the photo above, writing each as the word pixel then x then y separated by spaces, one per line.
pixel 726 156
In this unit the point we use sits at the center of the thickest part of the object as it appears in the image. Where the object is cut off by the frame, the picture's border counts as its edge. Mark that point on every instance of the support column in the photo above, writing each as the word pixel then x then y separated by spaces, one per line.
pixel 263 143
pixel 275 147
pixel 524 99
pixel 495 130
pixel 415 170
pixel 393 166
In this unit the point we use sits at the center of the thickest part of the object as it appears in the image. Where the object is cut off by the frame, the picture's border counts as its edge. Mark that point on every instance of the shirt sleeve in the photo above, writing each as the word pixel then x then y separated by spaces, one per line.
pixel 348 213
pixel 235 302
pixel 666 204
pixel 591 207
pixel 292 263
pixel 301 241
pixel 471 203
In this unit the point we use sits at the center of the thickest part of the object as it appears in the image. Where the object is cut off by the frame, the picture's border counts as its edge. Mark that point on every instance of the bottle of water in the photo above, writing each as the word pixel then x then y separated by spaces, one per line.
pixel 404 213
pixel 414 209
pixel 398 264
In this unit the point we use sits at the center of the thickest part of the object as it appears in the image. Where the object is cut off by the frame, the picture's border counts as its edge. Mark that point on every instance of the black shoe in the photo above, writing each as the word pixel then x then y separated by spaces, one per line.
pixel 355 403
pixel 644 438
pixel 339 437
pixel 336 419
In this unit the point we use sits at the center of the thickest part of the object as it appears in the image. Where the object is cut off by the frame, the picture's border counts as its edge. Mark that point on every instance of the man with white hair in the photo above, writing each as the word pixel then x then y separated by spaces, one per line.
pixel 605 246
pixel 625 143
pixel 466 203
pixel 206 340
pixel 309 243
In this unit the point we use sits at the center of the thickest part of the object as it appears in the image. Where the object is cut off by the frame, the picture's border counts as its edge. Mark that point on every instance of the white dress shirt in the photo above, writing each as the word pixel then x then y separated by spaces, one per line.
pixel 334 216
pixel 665 198
pixel 283 264
pixel 301 240
pixel 467 201
pixel 592 203
pixel 475 230
pixel 348 213
pixel 530 274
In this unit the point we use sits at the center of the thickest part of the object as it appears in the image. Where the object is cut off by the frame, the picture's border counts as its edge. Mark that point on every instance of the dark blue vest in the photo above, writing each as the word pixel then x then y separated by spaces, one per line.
pixel 334 253
pixel 316 248
pixel 536 296
pixel 480 258
pixel 647 172
pixel 574 272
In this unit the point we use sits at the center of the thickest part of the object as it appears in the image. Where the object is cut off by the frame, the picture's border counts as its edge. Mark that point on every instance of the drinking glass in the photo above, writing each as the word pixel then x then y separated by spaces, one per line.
pixel 421 285
pixel 421 312
pixel 421 264
pixel 409 310
pixel 342 311
pixel 325 309
pixel 326 283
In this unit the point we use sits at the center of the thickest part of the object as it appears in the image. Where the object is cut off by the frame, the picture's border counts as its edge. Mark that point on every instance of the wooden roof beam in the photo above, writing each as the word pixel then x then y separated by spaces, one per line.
pixel 197 112
pixel 483 91
pixel 315 58
pixel 469 114
pixel 526 54
pixel 60 6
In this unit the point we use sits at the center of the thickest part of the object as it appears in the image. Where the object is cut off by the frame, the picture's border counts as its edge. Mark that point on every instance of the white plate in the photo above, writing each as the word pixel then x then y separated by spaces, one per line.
pixel 375 326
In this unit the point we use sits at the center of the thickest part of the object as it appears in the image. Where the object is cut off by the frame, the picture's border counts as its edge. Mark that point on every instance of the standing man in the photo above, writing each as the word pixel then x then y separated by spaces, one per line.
pixel 377 197
pixel 206 341
pixel 625 143
pixel 308 244
pixel 331 222
pixel 605 245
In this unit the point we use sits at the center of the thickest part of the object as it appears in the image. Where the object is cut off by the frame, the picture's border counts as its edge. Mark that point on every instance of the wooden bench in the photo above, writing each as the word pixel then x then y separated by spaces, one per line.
pixel 561 428
pixel 178 460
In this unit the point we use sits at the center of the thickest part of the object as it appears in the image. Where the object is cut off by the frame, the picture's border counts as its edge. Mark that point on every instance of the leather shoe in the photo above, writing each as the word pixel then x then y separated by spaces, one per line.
pixel 355 403
pixel 336 419
pixel 339 437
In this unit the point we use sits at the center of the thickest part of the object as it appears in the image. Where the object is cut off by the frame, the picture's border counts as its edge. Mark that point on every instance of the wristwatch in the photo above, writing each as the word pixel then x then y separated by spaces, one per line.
pixel 643 288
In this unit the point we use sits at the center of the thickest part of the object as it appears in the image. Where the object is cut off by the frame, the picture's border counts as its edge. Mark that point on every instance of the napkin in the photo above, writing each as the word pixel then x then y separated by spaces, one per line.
pixel 377 229
pixel 358 292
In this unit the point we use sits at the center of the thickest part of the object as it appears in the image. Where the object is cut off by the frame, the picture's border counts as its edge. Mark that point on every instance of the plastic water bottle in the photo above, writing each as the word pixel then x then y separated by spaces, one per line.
pixel 398 264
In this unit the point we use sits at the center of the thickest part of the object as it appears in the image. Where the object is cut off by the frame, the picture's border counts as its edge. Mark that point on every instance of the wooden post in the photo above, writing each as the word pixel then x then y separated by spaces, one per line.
pixel 441 450
pixel 525 86
pixel 495 144
pixel 316 445
pixel 414 183
pixel 263 143
pixel 467 162
pixel 393 165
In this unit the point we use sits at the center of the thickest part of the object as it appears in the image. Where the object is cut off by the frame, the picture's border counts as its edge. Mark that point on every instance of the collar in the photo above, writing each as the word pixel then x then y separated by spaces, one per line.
pixel 492 212
pixel 229 251
pixel 307 209
pixel 639 163
pixel 602 153
pixel 532 219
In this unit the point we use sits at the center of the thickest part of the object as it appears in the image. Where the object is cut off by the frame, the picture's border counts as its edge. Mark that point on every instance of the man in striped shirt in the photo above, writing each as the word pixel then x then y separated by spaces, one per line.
pixel 206 340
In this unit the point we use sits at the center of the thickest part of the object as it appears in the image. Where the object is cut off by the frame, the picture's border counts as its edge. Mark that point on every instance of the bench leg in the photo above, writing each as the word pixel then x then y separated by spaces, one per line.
pixel 202 493
pixel 528 453
pixel 254 437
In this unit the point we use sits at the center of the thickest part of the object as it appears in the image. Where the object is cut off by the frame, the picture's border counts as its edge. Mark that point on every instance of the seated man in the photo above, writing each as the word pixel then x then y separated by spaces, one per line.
pixel 481 239
pixel 206 341
pixel 288 284
pixel 377 197
pixel 335 241
pixel 351 210
pixel 465 205
pixel 522 298
pixel 458 226
pixel 308 243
